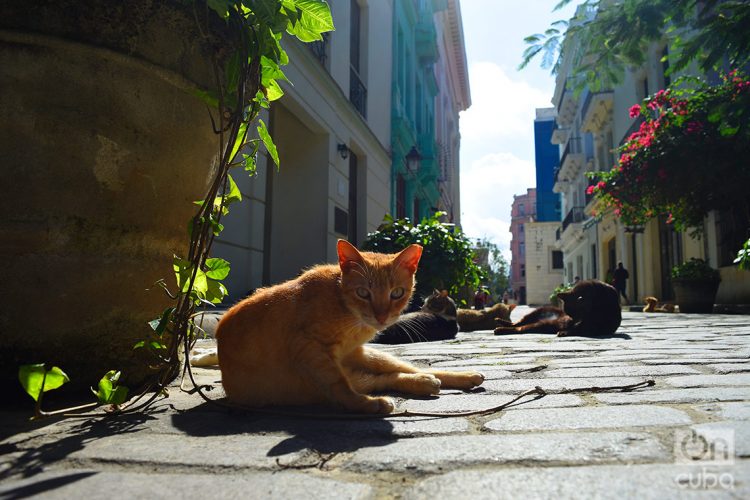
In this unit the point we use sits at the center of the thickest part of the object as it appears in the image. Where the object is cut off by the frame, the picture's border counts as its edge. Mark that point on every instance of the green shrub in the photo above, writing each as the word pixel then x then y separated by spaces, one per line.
pixel 695 270
pixel 448 260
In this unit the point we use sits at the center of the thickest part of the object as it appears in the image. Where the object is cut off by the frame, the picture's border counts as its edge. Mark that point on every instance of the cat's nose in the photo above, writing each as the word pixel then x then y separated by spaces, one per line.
pixel 381 317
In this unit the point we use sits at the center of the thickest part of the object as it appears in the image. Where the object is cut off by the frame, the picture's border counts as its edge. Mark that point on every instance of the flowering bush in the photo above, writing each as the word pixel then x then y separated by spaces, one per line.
pixel 690 155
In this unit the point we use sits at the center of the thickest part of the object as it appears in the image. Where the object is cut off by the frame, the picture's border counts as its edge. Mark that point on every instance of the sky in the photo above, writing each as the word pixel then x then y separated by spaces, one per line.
pixel 497 131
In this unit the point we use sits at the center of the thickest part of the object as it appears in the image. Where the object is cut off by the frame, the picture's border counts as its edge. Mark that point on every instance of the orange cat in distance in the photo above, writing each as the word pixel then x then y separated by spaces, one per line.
pixel 302 342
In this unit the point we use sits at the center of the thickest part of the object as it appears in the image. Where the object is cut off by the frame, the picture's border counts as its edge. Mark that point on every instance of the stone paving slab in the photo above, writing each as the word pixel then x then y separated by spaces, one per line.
pixel 588 418
pixel 92 483
pixel 432 454
pixel 645 482
pixel 582 445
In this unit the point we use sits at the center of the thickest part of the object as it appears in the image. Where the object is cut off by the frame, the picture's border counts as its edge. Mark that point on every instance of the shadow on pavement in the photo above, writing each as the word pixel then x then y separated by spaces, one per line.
pixel 26 462
pixel 314 430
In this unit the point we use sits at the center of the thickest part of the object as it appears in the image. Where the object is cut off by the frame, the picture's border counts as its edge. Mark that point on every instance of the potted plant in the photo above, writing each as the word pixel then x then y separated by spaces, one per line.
pixel 695 284
pixel 117 116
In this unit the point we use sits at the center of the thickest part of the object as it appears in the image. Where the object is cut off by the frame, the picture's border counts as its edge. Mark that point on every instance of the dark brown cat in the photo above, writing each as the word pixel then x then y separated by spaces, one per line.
pixel 590 309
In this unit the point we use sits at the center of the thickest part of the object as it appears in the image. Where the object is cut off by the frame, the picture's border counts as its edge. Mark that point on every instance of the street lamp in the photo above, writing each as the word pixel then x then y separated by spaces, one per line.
pixel 413 159
pixel 343 150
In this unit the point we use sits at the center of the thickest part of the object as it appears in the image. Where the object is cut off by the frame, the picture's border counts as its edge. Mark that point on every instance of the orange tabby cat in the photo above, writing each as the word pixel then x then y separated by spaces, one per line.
pixel 302 342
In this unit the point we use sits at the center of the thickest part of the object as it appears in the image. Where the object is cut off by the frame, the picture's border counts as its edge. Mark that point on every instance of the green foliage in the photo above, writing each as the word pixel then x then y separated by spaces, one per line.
pixel 109 391
pixel 612 35
pixel 688 157
pixel 447 261
pixel 695 270
pixel 497 270
pixel 562 287
pixel 37 379
pixel 743 257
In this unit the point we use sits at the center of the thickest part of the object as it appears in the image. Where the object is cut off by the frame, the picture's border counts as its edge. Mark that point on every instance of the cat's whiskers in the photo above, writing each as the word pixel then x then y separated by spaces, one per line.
pixel 413 326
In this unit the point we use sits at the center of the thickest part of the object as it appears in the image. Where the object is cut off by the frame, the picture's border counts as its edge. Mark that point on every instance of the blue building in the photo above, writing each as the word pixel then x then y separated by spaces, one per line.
pixel 547 159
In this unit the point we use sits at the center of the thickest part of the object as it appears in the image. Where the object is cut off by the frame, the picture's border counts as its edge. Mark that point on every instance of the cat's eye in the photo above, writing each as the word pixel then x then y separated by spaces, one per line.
pixel 363 293
pixel 397 293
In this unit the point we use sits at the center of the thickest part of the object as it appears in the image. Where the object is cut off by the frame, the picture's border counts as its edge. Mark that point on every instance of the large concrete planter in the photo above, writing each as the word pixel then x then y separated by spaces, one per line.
pixel 695 296
pixel 104 147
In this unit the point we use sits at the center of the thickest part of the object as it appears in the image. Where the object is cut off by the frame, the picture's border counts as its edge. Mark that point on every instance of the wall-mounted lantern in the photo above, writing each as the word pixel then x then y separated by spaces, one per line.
pixel 343 150
pixel 413 159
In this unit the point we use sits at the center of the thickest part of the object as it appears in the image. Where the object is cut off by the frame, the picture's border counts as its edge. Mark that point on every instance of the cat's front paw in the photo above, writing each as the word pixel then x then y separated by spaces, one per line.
pixel 379 405
pixel 425 384
pixel 502 330
pixel 476 378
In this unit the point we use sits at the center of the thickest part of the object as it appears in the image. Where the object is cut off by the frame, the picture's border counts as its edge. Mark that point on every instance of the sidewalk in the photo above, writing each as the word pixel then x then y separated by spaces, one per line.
pixel 583 445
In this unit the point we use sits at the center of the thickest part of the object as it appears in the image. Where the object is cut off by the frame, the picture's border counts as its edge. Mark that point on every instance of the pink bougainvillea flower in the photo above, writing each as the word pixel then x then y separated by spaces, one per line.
pixel 670 219
pixel 600 185
pixel 635 110
pixel 590 190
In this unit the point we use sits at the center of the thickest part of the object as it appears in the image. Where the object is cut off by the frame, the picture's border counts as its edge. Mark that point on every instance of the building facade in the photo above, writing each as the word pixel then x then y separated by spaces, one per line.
pixel 332 129
pixel 590 126
pixel 430 86
pixel 358 102
pixel 523 212
pixel 544 262
pixel 546 161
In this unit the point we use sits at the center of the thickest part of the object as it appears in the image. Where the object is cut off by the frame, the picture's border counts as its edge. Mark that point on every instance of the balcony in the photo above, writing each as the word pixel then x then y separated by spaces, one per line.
pixel 357 92
pixel 575 216
pixel 571 162
pixel 320 49
pixel 596 112
pixel 426 41
pixel 567 105
pixel 560 134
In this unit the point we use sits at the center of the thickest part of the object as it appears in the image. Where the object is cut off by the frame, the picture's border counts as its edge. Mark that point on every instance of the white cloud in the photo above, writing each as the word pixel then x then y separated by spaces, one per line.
pixel 487 188
pixel 501 107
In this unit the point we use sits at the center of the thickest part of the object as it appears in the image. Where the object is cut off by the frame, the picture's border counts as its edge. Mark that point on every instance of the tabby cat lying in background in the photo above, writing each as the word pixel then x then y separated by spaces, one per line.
pixel 302 342
pixel 470 320
pixel 590 309
pixel 435 321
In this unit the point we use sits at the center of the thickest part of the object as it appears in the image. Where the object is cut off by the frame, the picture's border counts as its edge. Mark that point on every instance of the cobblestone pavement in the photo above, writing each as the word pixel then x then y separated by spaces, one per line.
pixel 687 436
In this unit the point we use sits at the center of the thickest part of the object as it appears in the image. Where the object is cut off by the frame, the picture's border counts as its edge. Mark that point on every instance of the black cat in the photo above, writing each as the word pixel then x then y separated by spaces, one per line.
pixel 435 321
pixel 590 309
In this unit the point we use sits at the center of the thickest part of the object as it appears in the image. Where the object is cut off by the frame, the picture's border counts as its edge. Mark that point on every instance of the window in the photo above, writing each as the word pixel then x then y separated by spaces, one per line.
pixel 523 270
pixel 357 88
pixel 353 195
pixel 557 259
pixel 521 209
pixel 520 228
pixel 522 249
pixel 400 197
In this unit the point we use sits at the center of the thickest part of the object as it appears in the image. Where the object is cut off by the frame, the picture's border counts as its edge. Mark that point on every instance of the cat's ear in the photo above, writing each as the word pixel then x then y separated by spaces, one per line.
pixel 444 293
pixel 409 258
pixel 349 256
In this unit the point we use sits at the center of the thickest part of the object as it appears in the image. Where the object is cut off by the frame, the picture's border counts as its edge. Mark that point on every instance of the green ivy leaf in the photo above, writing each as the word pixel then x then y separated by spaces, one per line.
pixel 31 377
pixel 159 324
pixel 234 192
pixel 217 269
pixel 109 392
pixel 268 142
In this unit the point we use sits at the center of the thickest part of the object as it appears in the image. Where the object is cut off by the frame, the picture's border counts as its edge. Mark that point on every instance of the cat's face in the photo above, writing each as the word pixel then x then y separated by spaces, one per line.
pixel 586 297
pixel 377 287
pixel 440 303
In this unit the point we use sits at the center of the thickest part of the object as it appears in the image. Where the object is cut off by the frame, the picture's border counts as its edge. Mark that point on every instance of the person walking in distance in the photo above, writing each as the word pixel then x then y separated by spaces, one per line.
pixel 620 281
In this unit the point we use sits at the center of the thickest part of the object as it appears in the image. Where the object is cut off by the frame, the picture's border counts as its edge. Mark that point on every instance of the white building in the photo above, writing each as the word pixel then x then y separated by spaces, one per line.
pixel 332 131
